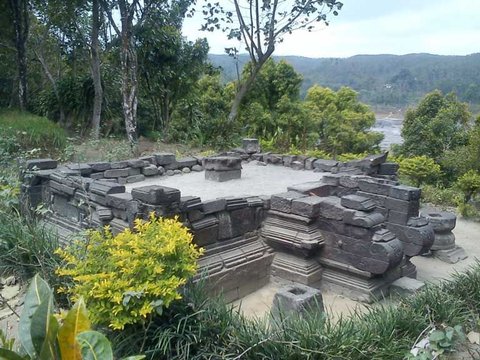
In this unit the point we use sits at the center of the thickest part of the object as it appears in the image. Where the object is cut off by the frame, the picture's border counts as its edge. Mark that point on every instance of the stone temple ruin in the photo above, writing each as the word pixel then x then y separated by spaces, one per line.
pixel 354 230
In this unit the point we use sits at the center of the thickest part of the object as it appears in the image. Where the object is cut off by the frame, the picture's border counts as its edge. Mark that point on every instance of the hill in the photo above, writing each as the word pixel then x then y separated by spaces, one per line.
pixel 392 80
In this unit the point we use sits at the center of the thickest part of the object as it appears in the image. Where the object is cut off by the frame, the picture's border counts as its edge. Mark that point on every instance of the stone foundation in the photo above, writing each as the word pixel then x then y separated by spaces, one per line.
pixel 354 229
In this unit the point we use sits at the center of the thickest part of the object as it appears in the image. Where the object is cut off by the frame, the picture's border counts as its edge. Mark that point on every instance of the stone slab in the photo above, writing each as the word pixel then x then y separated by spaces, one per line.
pixel 41 164
pixel 406 286
pixel 222 176
pixel 156 194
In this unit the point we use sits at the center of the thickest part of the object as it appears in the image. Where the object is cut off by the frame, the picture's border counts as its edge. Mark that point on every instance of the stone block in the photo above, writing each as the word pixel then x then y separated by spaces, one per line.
pixel 104 214
pixel 374 187
pixel 197 168
pixel 258 157
pixel 317 188
pixel 331 208
pixel 350 181
pixel 234 203
pixel 149 160
pixel 205 231
pixel 325 165
pixel 83 169
pixel 296 299
pixel 172 166
pixel 288 159
pixel 275 159
pixel 396 217
pixel 442 221
pixel 309 163
pixel 251 145
pixel 187 162
pixel 283 202
pixel 443 241
pixel 307 206
pixel 224 226
pixel 363 219
pixel 41 164
pixel 408 207
pixel 376 159
pixel 61 188
pixel 214 206
pixel 388 169
pixel 97 176
pixel 406 286
pixel 450 256
pixel 115 173
pixel 118 201
pixel 297 165
pixel 242 221
pixel 188 203
pixel 135 178
pixel 150 170
pixel 119 164
pixel 164 158
pixel 156 194
pixel 416 240
pixel 358 202
pixel 221 176
pixel 378 199
pixel 136 163
pixel 222 163
pixel 404 192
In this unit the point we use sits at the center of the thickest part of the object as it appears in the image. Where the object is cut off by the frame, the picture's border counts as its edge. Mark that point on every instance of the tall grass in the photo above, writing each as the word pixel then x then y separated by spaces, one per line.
pixel 202 327
pixel 30 131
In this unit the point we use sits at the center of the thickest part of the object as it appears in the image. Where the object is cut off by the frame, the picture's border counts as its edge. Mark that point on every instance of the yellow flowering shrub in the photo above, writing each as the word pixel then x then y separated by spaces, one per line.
pixel 126 278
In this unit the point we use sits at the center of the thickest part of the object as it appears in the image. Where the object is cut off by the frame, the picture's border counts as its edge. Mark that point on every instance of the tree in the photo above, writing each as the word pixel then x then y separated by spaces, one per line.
pixel 438 124
pixel 20 17
pixel 271 108
pixel 260 25
pixel 342 122
pixel 169 66
pixel 132 13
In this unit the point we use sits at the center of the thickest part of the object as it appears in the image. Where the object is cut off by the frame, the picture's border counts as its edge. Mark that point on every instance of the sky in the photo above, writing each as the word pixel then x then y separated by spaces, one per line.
pixel 444 27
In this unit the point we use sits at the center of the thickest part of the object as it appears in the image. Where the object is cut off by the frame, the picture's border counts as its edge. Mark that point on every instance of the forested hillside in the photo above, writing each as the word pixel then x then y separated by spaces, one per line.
pixel 383 79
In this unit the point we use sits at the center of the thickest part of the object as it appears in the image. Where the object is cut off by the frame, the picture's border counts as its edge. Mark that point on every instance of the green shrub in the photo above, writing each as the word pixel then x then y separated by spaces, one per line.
pixel 419 170
pixel 25 131
pixel 469 184
pixel 126 278
pixel 441 196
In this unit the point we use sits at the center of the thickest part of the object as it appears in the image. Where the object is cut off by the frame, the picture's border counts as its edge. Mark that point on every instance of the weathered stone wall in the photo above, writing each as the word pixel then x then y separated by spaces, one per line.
pixel 317 231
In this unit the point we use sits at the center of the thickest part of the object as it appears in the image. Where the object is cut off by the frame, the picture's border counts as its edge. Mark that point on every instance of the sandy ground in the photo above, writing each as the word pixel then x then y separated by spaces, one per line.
pixel 256 180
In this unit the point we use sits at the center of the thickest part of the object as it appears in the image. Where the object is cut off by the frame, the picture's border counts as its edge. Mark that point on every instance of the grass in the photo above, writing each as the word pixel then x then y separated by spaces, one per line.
pixel 22 131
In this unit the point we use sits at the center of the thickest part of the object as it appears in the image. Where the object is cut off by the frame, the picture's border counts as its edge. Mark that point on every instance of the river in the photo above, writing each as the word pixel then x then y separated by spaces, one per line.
pixel 391 128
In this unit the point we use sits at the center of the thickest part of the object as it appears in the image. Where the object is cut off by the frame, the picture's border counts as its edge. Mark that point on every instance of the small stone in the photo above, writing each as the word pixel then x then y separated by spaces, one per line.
pixel 170 173
pixel 177 172
pixel 150 170
pixel 406 286
pixel 186 170
pixel 197 168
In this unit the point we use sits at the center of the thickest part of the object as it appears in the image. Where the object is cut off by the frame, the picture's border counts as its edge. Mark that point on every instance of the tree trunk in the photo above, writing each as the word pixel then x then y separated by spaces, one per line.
pixel 129 76
pixel 96 75
pixel 50 78
pixel 21 23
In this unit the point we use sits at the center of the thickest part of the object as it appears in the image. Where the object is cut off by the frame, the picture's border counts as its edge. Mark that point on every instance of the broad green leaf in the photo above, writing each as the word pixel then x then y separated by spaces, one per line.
pixel 75 322
pixel 9 355
pixel 44 330
pixel 94 346
pixel 437 335
pixel 38 292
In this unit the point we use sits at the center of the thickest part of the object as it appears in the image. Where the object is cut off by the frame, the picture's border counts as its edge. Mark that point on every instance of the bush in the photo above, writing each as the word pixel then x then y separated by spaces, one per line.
pixel 441 196
pixel 469 184
pixel 126 278
pixel 419 170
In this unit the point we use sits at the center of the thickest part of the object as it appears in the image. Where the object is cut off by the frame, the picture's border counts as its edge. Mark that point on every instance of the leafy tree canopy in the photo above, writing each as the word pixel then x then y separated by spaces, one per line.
pixel 439 123
pixel 342 122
